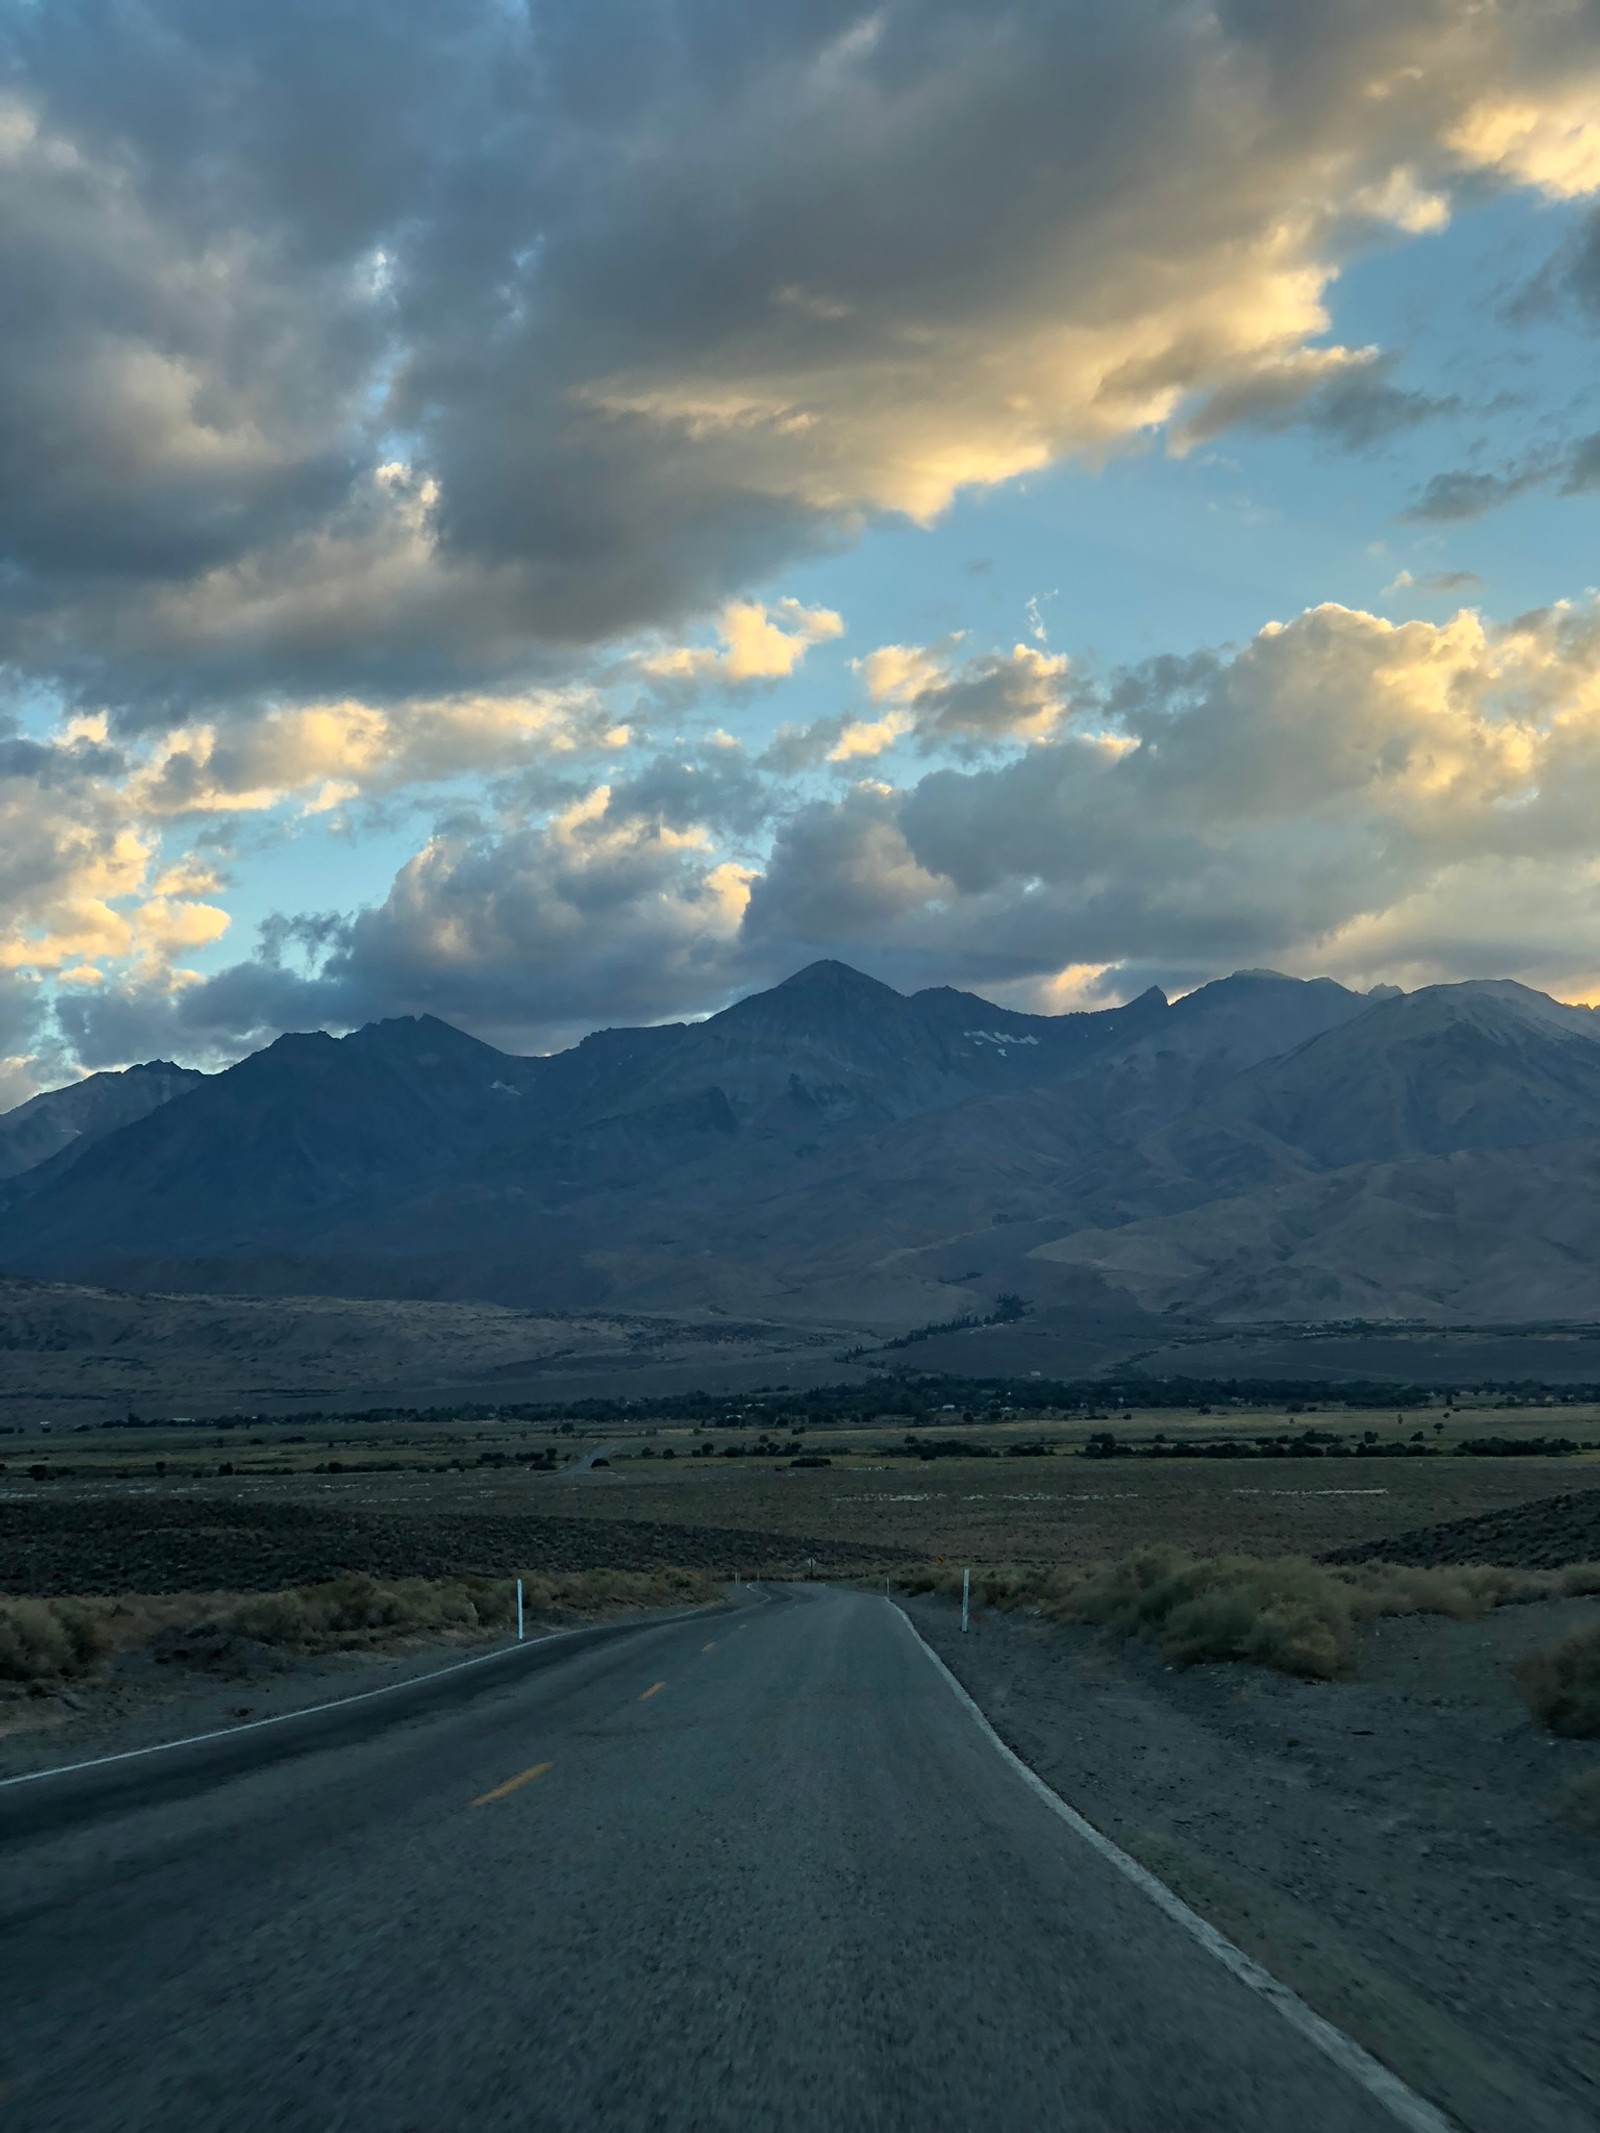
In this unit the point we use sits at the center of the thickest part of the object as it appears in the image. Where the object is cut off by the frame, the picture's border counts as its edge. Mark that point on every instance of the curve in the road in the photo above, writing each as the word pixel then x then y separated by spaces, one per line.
pixel 770 1880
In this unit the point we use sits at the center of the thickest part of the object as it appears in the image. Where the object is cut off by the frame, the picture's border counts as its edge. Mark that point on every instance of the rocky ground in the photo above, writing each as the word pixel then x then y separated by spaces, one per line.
pixel 1395 1847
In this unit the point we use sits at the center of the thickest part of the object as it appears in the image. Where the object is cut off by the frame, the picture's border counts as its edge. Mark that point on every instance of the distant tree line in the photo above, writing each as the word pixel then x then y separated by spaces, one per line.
pixel 920 1398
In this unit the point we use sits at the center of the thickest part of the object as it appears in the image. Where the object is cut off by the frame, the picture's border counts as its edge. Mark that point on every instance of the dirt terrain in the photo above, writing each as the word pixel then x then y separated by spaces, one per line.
pixel 139 1706
pixel 1027 1509
pixel 398 1497
pixel 1394 1847
pixel 1541 1535
pixel 75 1354
pixel 186 1543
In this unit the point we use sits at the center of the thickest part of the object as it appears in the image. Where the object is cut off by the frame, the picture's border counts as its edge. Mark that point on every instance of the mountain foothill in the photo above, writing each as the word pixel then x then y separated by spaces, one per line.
pixel 834 1151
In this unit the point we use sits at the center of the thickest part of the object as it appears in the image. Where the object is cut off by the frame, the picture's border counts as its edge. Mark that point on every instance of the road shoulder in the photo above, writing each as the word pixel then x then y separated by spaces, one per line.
pixel 1389 1848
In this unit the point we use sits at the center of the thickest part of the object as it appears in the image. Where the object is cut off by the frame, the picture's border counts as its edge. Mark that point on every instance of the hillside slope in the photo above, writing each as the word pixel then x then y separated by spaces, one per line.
pixel 61 1124
pixel 1264 1148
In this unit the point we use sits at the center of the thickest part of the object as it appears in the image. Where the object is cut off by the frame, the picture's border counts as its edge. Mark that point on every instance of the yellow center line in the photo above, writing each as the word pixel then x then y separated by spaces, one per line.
pixel 711 1647
pixel 523 1777
pixel 649 1692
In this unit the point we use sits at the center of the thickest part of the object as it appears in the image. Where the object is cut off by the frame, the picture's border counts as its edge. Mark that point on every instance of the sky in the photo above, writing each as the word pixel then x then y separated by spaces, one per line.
pixel 559 515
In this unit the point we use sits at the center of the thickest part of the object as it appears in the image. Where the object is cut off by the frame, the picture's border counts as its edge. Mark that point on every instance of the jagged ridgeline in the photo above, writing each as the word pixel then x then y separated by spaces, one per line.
pixel 834 1151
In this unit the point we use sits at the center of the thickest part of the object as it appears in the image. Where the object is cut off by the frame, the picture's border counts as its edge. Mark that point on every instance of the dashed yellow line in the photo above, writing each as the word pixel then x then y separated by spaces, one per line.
pixel 711 1647
pixel 523 1777
pixel 653 1689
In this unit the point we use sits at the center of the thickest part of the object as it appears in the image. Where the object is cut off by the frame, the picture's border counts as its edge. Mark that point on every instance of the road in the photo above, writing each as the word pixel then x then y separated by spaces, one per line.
pixel 757 1869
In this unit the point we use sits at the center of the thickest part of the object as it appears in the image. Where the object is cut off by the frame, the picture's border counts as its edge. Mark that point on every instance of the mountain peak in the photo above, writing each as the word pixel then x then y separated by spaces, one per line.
pixel 838 981
pixel 1491 1003
pixel 420 1037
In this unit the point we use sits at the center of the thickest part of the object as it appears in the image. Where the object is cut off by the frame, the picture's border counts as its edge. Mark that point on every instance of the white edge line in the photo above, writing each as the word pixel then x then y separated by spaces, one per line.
pixel 1403 2103
pixel 334 1703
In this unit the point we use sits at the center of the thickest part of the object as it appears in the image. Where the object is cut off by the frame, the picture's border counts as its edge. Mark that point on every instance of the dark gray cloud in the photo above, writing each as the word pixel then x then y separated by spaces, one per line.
pixel 1572 469
pixel 1569 278
pixel 373 376
pixel 716 787
pixel 1364 408
pixel 1579 266
pixel 638 299
pixel 1355 405
pixel 1462 493
pixel 1580 472
pixel 22 1016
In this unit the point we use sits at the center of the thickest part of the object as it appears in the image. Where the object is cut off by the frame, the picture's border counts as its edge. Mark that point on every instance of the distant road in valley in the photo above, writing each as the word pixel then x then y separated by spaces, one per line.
pixel 753 1869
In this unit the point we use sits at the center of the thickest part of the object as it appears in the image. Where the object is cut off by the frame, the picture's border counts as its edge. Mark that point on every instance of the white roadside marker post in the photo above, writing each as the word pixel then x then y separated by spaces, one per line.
pixel 519 1610
pixel 966 1598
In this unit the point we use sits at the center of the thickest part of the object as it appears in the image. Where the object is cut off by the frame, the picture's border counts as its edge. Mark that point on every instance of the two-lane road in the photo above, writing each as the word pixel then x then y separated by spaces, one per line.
pixel 756 1869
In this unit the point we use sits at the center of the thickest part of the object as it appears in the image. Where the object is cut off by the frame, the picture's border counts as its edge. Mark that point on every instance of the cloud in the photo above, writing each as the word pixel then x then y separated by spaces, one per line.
pixel 366 354
pixel 112 857
pixel 715 787
pixel 1434 582
pixel 326 753
pixel 934 700
pixel 78 877
pixel 993 699
pixel 757 644
pixel 1345 394
pixel 23 1037
pixel 1385 801
pixel 1572 469
pixel 1575 270
pixel 82 886
pixel 385 391
pixel 533 933
pixel 1268 806
pixel 1551 141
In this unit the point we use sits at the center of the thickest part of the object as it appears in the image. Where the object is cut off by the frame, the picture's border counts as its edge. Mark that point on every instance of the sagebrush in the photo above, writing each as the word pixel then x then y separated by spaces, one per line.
pixel 46 1642
pixel 1285 1612
pixel 50 1640
pixel 1562 1685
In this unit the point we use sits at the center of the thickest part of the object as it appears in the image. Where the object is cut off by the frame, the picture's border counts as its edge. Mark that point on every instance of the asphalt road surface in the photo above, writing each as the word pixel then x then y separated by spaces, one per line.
pixel 758 1869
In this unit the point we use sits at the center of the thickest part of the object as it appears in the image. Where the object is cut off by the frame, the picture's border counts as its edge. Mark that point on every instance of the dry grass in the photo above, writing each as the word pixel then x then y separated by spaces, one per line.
pixel 50 1640
pixel 353 1612
pixel 44 1643
pixel 1033 1511
pixel 1284 1612
pixel 1561 1686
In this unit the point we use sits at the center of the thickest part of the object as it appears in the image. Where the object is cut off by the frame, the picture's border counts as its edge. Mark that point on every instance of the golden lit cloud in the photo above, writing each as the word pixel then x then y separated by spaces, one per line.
pixel 964 703
pixel 328 753
pixel 756 644
pixel 1551 142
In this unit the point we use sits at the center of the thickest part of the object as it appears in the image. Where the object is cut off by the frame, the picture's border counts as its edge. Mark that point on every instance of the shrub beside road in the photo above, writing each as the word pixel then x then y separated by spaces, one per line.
pixel 46 1643
pixel 1283 1612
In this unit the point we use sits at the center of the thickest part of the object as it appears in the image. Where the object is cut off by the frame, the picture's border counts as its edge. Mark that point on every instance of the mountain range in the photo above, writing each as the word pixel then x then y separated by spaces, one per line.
pixel 1265 1148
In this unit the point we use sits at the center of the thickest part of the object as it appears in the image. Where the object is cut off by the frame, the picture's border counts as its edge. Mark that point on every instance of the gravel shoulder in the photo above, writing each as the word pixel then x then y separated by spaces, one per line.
pixel 139 1704
pixel 1392 1847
